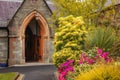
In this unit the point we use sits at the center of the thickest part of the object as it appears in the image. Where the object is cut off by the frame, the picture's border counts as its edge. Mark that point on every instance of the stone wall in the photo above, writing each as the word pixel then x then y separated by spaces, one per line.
pixel 3 46
pixel 110 17
pixel 16 43
pixel 27 7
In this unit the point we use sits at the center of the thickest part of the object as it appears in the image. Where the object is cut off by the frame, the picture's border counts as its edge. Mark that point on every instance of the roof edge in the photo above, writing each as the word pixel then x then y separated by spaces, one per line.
pixel 48 7
pixel 16 12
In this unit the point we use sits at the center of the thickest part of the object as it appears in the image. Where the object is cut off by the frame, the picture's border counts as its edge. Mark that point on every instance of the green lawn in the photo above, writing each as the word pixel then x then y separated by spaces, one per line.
pixel 8 76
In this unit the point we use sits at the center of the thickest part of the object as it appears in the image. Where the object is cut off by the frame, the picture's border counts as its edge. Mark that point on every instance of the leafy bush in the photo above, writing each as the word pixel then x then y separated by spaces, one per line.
pixel 69 39
pixel 101 72
pixel 77 70
pixel 71 63
pixel 96 55
pixel 87 60
pixel 70 33
pixel 101 37
pixel 64 55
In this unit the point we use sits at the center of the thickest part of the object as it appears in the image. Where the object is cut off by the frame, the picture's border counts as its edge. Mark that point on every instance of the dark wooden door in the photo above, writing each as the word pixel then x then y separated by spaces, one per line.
pixel 30 46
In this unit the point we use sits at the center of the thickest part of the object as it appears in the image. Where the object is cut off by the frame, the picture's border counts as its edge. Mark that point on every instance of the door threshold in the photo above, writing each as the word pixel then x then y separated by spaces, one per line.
pixel 33 64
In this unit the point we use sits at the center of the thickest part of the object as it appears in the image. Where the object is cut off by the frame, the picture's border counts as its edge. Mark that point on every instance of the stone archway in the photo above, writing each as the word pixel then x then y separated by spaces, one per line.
pixel 43 37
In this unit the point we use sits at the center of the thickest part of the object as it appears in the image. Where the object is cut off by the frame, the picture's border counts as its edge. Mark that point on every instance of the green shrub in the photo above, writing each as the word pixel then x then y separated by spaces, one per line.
pixel 101 72
pixel 102 37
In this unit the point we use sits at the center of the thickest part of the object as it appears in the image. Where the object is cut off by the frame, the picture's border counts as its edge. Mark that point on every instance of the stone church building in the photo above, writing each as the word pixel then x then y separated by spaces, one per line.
pixel 25 32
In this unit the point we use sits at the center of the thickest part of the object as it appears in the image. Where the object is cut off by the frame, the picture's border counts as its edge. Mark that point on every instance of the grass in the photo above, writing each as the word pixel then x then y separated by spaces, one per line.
pixel 8 76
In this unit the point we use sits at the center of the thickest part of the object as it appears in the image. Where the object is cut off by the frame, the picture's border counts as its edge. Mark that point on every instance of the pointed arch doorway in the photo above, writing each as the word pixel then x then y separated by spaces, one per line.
pixel 32 44
pixel 34 33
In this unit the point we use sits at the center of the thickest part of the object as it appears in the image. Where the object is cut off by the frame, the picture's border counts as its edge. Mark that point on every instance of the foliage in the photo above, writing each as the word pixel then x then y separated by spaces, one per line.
pixel 116 46
pixel 106 17
pixel 77 70
pixel 95 56
pixel 71 7
pixel 65 68
pixel 102 37
pixel 70 64
pixel 70 33
pixel 69 39
pixel 87 60
pixel 87 8
pixel 101 72
pixel 64 55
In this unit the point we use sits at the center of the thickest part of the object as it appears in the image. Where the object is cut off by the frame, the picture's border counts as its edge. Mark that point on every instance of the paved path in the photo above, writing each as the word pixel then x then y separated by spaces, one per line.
pixel 38 72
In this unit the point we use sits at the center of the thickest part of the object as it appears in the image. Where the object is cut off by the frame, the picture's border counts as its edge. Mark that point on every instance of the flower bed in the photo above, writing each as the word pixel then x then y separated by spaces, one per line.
pixel 68 70
pixel 79 49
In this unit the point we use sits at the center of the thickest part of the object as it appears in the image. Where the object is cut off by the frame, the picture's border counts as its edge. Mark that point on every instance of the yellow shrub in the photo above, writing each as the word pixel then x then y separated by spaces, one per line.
pixel 101 72
pixel 64 55
pixel 70 33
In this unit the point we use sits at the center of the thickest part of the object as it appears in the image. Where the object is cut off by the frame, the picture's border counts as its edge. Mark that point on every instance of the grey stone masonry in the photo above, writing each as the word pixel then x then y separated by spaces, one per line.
pixel 3 46
pixel 27 7
pixel 17 49
pixel 3 33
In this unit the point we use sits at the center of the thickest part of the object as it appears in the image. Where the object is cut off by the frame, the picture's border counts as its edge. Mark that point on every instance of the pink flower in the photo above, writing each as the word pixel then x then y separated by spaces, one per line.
pixel 86 59
pixel 61 76
pixel 80 62
pixel 82 56
pixel 108 60
pixel 91 61
pixel 59 70
pixel 65 68
pixel 63 73
pixel 70 68
pixel 105 55
pixel 99 51
pixel 102 54
pixel 67 63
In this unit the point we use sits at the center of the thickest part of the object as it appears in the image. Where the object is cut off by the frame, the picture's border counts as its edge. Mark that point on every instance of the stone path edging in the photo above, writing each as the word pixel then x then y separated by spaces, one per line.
pixel 20 77
pixel 56 75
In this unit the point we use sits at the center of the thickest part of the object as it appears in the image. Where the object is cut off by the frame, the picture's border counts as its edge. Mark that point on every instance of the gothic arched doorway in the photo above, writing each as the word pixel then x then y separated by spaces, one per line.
pixel 32 44
pixel 34 33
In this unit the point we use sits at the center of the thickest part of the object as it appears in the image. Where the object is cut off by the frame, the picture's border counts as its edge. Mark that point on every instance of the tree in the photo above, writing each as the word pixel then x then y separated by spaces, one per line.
pixel 88 9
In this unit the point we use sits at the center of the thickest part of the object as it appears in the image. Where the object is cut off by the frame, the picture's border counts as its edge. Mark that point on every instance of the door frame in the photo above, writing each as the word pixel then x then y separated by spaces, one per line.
pixel 44 33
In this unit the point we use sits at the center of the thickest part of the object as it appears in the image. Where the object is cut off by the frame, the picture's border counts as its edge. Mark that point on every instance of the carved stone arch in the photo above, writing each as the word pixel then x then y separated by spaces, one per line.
pixel 42 21
pixel 44 34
